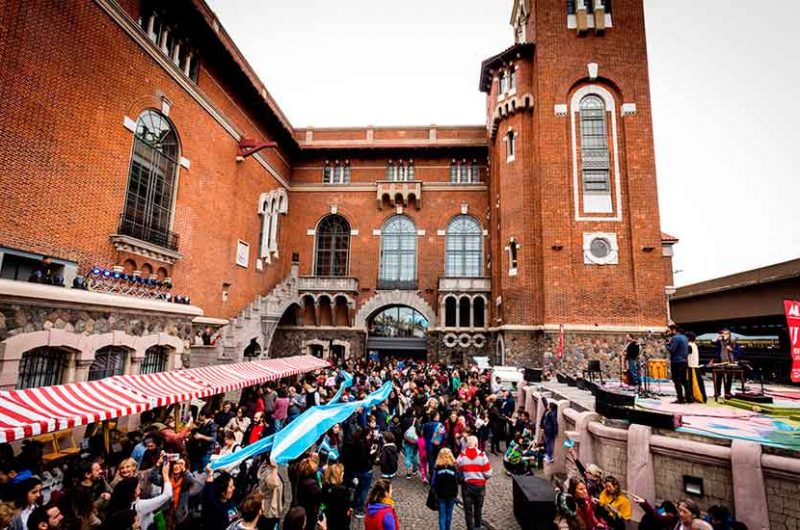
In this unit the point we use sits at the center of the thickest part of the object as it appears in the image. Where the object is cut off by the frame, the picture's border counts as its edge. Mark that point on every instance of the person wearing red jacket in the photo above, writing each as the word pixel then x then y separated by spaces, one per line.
pixel 380 508
pixel 474 466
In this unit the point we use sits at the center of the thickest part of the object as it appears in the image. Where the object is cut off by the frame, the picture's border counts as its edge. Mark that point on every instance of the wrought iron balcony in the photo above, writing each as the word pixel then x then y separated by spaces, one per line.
pixel 134 227
pixel 327 283
pixel 397 285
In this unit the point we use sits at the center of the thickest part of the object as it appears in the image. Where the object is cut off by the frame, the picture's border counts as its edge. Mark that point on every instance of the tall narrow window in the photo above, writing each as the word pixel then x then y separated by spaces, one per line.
pixel 108 361
pixel 155 360
pixel 398 254
pixel 41 367
pixel 511 146
pixel 478 312
pixel 327 173
pixel 333 246
pixel 464 248
pixel 454 167
pixel 151 181
pixel 594 145
pixel 450 311
pixel 512 79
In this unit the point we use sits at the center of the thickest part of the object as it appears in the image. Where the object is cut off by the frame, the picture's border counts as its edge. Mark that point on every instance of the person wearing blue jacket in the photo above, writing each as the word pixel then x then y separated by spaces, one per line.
pixel 678 347
pixel 726 350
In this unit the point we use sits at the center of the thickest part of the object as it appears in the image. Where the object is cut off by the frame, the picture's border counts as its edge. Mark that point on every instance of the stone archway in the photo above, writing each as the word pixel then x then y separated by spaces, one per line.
pixel 394 298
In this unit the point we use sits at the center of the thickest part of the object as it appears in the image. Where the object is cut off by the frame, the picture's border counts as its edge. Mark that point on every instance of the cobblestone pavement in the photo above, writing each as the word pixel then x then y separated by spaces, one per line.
pixel 410 495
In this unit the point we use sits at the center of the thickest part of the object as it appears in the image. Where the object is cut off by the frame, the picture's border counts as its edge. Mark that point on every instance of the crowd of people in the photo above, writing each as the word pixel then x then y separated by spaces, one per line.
pixel 440 421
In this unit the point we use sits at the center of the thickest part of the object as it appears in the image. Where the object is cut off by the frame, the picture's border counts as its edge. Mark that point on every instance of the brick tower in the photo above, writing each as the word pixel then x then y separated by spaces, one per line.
pixel 574 209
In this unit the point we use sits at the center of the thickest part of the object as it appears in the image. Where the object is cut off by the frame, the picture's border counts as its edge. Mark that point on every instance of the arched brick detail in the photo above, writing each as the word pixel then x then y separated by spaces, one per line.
pixel 389 298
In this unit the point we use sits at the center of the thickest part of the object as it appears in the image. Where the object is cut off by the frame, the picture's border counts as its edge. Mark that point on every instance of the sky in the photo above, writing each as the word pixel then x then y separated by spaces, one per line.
pixel 725 115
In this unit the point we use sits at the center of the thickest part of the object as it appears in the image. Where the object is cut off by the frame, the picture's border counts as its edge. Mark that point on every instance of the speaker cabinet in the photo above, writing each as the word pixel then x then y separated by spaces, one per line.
pixel 534 502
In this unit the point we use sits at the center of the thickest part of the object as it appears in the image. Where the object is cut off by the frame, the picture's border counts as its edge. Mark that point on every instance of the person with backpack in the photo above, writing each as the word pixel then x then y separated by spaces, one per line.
pixel 388 458
pixel 410 440
pixel 435 435
pixel 445 483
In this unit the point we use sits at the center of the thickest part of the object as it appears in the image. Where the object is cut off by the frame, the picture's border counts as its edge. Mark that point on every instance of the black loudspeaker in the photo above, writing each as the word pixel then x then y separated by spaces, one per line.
pixel 582 383
pixel 611 412
pixel 561 378
pixel 657 420
pixel 619 399
pixel 592 387
pixel 534 502
pixel 571 381
pixel 533 375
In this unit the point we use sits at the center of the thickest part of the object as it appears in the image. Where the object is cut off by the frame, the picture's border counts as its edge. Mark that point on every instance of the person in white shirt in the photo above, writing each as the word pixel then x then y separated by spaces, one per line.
pixel 695 377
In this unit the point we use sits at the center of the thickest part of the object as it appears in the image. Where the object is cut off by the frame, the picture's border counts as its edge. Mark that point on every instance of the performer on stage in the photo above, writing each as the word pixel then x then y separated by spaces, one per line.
pixel 678 348
pixel 631 354
pixel 726 350
pixel 695 378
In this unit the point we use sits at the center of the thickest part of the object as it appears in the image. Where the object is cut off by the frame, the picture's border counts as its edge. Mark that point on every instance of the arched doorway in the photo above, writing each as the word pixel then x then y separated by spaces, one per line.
pixel 398 331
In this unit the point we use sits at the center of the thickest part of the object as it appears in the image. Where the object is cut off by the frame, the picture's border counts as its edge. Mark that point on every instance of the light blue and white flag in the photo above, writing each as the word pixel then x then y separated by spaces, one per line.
pixel 295 439
pixel 346 383
pixel 307 428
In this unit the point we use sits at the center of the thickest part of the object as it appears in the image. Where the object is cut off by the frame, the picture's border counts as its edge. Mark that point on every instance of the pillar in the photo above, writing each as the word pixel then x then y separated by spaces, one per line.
pixel 749 493
pixel 586 447
pixel 641 476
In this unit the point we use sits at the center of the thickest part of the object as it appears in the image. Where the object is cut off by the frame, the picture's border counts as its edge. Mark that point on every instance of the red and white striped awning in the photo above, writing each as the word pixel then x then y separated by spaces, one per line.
pixel 66 406
pixel 30 412
pixel 166 388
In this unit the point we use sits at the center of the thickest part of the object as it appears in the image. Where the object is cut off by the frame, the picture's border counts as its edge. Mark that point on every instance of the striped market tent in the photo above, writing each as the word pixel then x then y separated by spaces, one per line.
pixel 36 411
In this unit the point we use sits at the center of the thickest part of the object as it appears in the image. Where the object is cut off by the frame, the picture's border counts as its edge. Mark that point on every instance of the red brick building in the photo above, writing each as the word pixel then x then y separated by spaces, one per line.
pixel 140 151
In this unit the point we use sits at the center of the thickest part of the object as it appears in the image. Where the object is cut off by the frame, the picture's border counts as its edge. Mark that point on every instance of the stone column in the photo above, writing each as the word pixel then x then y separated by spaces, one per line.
pixel 82 370
pixel 749 493
pixel 641 473
pixel 586 447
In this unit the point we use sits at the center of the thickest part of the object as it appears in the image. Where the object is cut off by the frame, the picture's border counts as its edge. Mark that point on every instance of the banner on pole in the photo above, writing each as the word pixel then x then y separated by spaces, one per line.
pixel 560 341
pixel 793 320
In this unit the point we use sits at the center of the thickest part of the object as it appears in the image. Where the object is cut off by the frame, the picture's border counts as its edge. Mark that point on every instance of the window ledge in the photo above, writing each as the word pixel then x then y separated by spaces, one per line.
pixel 143 248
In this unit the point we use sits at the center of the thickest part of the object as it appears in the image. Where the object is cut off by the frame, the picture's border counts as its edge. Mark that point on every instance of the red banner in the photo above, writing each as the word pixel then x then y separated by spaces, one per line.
pixel 793 319
pixel 560 341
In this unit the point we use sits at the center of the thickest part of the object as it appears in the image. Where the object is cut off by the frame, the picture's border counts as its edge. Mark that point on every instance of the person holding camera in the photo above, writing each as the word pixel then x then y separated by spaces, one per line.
pixel 184 488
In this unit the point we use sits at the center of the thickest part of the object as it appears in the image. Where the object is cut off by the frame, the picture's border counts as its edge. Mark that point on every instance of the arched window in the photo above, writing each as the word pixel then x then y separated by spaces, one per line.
pixel 398 322
pixel 464 247
pixel 594 144
pixel 333 246
pixel 155 360
pixel 41 367
pixel 108 361
pixel 450 310
pixel 478 312
pixel 464 310
pixel 151 181
pixel 398 254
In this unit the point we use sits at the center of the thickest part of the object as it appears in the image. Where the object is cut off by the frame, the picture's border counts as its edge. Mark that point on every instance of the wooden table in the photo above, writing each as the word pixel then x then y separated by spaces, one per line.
pixel 726 370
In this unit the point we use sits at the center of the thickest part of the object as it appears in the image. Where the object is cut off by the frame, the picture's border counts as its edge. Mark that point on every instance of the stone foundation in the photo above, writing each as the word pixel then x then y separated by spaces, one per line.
pixel 539 348
pixel 288 342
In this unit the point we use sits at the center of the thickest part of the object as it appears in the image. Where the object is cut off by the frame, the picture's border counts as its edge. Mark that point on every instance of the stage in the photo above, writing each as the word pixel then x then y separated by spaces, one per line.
pixel 775 424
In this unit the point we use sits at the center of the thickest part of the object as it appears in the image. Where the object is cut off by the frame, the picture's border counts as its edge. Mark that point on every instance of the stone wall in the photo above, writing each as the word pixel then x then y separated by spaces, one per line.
pixel 717 480
pixel 540 349
pixel 16 318
pixel 288 342
pixel 784 506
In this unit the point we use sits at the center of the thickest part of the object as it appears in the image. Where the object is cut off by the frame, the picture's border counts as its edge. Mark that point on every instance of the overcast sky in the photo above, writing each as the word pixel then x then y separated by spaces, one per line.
pixel 723 75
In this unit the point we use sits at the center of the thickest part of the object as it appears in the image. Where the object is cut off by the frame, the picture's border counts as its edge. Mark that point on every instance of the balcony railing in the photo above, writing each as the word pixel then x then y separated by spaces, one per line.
pixel 327 283
pixel 399 285
pixel 137 228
